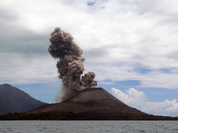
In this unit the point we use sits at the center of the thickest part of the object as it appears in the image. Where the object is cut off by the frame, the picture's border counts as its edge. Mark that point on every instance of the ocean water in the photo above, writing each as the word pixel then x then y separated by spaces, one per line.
pixel 88 126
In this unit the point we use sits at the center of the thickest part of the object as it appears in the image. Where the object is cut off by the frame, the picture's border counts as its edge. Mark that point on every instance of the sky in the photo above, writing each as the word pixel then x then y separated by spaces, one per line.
pixel 131 45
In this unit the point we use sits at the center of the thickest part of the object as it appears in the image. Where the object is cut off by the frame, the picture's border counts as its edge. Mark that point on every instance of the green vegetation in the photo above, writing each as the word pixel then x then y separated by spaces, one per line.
pixel 52 115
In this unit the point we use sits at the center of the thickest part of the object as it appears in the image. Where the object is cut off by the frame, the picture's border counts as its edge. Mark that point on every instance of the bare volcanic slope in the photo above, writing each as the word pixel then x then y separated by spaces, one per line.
pixel 14 100
pixel 97 104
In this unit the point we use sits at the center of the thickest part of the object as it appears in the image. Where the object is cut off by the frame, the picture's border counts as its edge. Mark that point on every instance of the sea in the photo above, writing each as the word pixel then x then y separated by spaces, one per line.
pixel 88 126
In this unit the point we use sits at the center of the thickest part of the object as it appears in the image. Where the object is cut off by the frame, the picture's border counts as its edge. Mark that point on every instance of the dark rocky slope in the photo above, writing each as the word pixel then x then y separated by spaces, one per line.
pixel 14 100
pixel 97 104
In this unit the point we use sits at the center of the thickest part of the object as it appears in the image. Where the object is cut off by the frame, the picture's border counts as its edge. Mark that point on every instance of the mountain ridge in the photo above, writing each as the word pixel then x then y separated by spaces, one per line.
pixel 14 100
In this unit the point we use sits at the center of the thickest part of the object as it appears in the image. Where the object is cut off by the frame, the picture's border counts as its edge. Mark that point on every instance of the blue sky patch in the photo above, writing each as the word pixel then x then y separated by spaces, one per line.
pixel 90 3
pixel 159 94
pixel 122 85
pixel 165 70
pixel 142 70
pixel 40 91
pixel 169 70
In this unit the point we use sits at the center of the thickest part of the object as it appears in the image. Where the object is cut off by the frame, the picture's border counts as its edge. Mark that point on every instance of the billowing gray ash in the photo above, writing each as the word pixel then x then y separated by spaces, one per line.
pixel 70 64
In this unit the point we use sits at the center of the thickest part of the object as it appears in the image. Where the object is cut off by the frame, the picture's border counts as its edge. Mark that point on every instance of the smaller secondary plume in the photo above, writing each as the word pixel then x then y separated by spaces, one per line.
pixel 70 64
pixel 88 79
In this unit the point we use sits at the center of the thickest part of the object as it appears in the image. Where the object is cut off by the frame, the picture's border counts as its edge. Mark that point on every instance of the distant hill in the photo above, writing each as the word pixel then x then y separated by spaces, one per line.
pixel 14 100
pixel 96 104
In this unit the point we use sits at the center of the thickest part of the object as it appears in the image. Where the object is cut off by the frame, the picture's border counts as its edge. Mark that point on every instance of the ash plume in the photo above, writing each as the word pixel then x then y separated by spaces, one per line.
pixel 70 64
pixel 88 79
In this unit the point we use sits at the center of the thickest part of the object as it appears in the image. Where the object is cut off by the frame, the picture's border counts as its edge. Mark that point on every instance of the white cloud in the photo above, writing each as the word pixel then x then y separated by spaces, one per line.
pixel 116 36
pixel 137 99
pixel 23 70
pixel 133 98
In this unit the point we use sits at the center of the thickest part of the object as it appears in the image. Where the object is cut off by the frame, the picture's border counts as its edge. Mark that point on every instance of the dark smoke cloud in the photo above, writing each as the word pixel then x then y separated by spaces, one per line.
pixel 88 79
pixel 70 66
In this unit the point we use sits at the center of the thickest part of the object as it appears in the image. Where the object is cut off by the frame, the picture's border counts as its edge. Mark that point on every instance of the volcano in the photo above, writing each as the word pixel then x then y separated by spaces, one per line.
pixel 97 104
